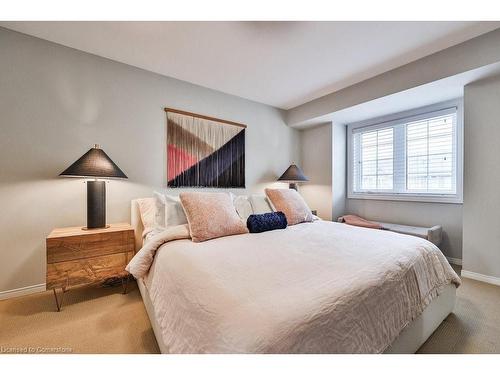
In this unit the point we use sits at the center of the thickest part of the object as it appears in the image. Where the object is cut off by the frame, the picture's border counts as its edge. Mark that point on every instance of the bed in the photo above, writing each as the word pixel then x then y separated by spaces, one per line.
pixel 296 290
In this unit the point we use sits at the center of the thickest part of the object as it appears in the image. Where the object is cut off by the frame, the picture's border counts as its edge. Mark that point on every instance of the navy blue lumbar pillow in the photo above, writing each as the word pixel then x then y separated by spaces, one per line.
pixel 267 221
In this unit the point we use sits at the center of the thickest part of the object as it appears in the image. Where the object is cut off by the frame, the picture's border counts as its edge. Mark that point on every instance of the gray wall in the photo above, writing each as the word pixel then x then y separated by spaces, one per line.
pixel 55 102
pixel 463 57
pixel 323 151
pixel 316 156
pixel 481 220
pixel 323 155
pixel 339 156
pixel 416 213
pixel 448 215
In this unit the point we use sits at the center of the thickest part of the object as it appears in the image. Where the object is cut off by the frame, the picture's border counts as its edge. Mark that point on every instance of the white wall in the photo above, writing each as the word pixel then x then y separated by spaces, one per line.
pixel 56 102
pixel 481 219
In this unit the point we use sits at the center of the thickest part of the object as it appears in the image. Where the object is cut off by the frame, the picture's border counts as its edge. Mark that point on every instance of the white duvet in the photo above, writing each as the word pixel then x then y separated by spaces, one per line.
pixel 318 287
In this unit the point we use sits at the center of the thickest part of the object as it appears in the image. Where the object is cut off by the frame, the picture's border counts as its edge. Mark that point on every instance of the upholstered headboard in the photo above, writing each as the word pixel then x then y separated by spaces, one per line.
pixel 136 222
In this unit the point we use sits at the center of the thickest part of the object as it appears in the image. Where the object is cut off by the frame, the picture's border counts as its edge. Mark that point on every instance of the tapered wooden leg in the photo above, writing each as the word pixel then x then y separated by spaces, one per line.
pixel 59 302
pixel 125 284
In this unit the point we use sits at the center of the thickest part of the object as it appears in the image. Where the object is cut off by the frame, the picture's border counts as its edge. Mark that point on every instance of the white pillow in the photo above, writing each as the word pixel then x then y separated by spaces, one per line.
pixel 243 206
pixel 160 203
pixel 147 211
pixel 174 213
pixel 260 204
pixel 169 211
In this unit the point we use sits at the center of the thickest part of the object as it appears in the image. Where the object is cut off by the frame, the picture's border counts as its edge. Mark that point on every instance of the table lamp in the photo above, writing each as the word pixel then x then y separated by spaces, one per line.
pixel 293 175
pixel 95 163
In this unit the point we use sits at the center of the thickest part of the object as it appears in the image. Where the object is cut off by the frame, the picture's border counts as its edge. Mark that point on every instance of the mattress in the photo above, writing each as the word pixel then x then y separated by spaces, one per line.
pixel 317 287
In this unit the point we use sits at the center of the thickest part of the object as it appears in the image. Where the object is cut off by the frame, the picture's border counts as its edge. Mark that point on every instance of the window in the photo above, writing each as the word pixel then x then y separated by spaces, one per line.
pixel 376 160
pixel 412 157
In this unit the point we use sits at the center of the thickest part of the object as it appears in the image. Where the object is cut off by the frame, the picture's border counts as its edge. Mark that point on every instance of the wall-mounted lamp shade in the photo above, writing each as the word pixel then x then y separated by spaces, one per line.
pixel 94 163
pixel 293 174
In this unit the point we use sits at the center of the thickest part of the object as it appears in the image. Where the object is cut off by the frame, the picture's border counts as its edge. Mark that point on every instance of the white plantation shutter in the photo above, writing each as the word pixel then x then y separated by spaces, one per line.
pixel 430 156
pixel 410 156
pixel 375 160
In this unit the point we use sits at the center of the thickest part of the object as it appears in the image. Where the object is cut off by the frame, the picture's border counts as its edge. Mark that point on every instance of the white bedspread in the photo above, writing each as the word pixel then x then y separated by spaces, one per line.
pixel 319 287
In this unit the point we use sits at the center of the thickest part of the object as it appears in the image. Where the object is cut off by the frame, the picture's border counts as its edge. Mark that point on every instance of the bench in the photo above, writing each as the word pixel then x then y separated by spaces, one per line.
pixel 431 234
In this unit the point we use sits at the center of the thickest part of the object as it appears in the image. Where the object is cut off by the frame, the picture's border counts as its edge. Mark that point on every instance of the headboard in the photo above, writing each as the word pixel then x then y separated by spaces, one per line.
pixel 136 222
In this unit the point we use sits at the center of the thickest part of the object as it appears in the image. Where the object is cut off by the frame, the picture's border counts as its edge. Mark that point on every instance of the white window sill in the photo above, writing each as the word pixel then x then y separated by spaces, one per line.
pixel 454 199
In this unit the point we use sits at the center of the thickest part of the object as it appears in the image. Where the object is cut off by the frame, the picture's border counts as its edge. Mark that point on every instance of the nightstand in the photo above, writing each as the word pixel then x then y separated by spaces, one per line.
pixel 77 257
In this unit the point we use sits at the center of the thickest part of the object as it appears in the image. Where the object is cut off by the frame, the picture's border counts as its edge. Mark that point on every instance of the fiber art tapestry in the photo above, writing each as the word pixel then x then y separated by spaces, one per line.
pixel 204 151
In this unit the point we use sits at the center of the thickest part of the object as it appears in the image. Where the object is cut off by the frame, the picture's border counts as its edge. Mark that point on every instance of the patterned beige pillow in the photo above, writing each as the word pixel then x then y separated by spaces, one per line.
pixel 211 215
pixel 291 203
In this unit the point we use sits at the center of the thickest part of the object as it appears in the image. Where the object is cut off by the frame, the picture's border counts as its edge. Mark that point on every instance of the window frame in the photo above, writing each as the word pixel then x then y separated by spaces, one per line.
pixel 398 118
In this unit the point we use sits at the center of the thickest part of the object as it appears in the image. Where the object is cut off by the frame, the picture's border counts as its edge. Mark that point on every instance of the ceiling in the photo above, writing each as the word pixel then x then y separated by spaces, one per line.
pixel 431 93
pixel 283 64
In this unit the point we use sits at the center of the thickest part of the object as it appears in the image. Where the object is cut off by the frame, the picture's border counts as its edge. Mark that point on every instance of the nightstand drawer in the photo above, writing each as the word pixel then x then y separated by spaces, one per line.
pixel 85 246
pixel 87 271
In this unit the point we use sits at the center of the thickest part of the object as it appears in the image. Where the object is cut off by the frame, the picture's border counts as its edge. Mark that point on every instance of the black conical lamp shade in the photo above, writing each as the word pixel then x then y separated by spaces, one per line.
pixel 95 163
pixel 293 174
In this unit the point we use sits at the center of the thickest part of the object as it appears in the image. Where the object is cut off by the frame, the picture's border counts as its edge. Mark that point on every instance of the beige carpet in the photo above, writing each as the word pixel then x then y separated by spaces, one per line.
pixel 102 320
pixel 92 320
pixel 474 325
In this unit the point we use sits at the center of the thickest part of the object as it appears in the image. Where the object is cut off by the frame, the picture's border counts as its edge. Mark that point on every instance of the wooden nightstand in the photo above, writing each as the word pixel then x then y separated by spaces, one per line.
pixel 77 257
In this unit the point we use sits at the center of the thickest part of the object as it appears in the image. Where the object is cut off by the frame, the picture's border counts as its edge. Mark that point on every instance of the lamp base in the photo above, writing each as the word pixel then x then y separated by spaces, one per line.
pixel 96 204
pixel 87 228
pixel 293 186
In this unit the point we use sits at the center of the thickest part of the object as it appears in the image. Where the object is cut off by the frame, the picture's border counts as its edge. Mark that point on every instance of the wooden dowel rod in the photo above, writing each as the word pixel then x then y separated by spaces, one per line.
pixel 203 117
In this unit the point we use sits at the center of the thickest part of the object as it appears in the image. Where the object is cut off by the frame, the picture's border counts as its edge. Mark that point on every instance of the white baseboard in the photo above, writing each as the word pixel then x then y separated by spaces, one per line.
pixel 22 291
pixel 456 261
pixel 480 277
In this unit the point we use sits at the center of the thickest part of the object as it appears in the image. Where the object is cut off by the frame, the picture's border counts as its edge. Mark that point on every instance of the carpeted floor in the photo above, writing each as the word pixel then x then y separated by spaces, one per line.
pixel 92 320
pixel 474 325
pixel 102 320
